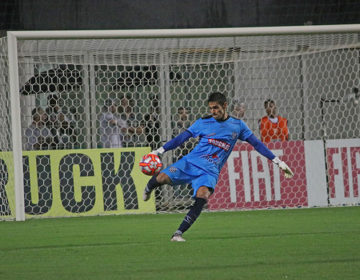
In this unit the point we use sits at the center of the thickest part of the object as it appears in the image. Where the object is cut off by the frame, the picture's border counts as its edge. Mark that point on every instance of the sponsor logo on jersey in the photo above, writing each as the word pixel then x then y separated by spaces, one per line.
pixel 218 143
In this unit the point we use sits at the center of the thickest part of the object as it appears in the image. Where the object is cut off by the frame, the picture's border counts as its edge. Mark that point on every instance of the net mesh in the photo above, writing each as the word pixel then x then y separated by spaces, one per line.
pixel 6 195
pixel 109 93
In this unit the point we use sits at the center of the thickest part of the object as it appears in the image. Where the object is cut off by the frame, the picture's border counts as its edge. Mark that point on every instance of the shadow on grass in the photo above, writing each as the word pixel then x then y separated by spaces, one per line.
pixel 246 264
pixel 193 239
pixel 288 234
pixel 72 246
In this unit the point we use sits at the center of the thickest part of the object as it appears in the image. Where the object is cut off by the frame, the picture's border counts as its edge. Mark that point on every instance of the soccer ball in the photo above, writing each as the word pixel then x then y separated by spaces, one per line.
pixel 150 164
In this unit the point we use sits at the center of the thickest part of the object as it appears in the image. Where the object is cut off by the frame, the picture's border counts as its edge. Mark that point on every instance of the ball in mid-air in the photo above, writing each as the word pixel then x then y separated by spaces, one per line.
pixel 150 164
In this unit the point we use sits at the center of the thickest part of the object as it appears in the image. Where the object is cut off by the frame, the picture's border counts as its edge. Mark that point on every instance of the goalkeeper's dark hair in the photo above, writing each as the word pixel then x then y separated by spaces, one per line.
pixel 217 97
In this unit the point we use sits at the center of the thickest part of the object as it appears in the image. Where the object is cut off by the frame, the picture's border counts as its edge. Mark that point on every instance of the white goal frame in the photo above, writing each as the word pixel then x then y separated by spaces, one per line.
pixel 14 36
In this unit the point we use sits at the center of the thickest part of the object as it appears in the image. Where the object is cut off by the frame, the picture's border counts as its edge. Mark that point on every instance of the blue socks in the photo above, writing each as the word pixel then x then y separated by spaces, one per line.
pixel 192 215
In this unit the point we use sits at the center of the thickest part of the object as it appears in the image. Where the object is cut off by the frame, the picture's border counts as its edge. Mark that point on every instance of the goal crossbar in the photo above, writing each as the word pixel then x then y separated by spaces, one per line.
pixel 173 33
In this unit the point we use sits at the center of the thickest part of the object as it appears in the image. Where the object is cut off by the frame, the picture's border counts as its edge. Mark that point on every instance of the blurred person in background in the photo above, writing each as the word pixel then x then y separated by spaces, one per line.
pixel 60 125
pixel 181 120
pixel 112 126
pixel 135 133
pixel 272 126
pixel 37 135
pixel 239 109
pixel 152 124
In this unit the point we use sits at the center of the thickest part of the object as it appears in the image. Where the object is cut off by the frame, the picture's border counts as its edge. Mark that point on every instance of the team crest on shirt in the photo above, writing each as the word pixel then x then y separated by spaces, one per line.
pixel 234 135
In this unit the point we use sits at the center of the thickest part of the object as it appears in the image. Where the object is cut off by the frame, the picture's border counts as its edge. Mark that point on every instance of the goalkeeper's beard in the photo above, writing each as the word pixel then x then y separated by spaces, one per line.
pixel 220 116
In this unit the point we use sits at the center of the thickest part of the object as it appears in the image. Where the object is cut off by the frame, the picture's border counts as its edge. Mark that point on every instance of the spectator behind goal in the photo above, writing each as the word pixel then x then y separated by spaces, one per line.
pixel 273 127
pixel 38 136
pixel 239 109
pixel 60 125
pixel 112 127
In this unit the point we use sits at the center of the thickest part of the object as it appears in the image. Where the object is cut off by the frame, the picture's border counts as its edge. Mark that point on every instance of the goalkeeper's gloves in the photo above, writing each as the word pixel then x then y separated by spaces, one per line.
pixel 284 167
pixel 158 152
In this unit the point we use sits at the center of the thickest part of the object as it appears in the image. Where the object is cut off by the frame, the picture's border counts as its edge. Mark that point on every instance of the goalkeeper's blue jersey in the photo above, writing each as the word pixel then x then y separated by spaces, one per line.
pixel 216 141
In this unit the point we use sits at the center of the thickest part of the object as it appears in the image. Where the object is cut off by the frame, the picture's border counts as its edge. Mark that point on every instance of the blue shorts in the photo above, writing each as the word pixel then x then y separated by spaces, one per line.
pixel 184 172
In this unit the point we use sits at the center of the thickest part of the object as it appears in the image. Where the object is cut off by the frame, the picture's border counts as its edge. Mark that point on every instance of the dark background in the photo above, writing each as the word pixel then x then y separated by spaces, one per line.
pixel 146 14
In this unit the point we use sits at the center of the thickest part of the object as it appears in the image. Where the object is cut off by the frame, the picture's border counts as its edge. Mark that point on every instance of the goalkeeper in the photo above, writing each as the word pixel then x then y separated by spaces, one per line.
pixel 218 134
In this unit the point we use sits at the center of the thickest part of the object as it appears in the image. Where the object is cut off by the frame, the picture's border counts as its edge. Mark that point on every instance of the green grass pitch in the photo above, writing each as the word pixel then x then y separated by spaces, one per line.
pixel 280 244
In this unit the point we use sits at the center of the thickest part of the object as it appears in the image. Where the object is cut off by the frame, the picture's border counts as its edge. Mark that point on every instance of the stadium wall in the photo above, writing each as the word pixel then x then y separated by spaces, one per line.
pixel 248 181
pixel 89 185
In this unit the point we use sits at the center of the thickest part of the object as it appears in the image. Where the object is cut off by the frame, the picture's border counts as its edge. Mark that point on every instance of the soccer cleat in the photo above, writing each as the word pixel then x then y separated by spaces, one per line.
pixel 177 238
pixel 146 194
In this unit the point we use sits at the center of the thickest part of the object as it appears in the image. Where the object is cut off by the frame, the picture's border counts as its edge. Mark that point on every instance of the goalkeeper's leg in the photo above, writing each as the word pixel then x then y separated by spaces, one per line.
pixel 201 199
pixel 154 182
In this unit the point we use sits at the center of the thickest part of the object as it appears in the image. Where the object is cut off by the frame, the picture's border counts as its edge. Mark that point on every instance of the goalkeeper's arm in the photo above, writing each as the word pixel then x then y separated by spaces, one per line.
pixel 173 143
pixel 262 149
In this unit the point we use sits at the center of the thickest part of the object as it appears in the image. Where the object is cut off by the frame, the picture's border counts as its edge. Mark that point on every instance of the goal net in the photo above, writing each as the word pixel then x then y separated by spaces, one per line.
pixel 92 106
pixel 5 135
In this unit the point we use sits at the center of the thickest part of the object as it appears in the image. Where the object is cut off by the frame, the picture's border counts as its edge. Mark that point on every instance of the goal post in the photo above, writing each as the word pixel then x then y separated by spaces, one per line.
pixel 80 108
pixel 15 114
